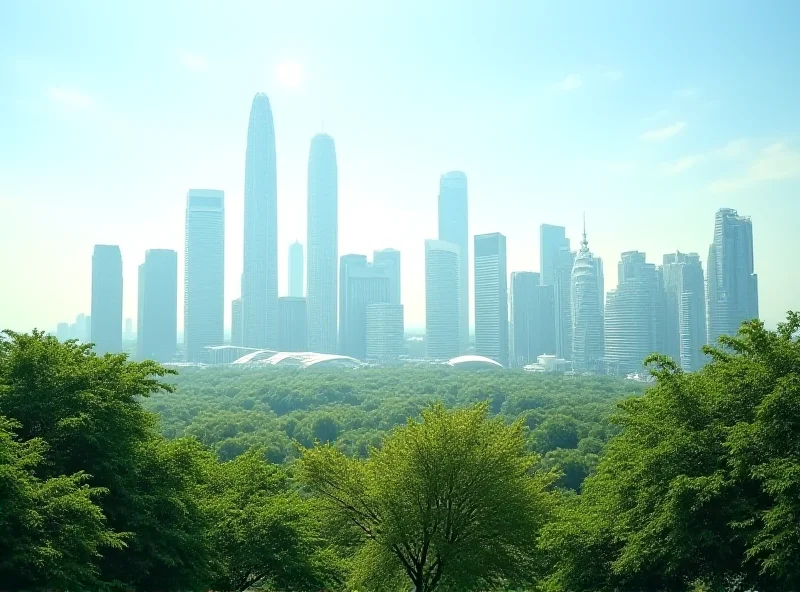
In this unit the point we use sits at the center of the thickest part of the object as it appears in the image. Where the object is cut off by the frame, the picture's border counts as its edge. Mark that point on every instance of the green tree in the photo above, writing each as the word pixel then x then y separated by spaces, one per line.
pixel 449 502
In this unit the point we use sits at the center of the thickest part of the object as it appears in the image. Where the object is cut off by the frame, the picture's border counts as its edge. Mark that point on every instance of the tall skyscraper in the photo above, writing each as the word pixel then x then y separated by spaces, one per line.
pixel 323 244
pixel 157 335
pixel 491 297
pixel 454 228
pixel 385 332
pixel 292 330
pixel 80 328
pixel 634 315
pixel 128 334
pixel 390 259
pixel 443 319
pixel 562 297
pixel 361 284
pixel 236 322
pixel 732 282
pixel 204 272
pixel 551 240
pixel 107 299
pixel 587 318
pixel 533 324
pixel 296 270
pixel 62 331
pixel 685 310
pixel 260 262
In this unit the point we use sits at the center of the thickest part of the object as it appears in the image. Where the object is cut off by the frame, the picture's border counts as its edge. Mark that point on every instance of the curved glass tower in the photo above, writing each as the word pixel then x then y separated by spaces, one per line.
pixel 260 265
pixel 322 244
pixel 587 314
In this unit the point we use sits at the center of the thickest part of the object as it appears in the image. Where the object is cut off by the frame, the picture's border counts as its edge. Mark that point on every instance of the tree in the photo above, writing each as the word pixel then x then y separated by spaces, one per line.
pixel 449 502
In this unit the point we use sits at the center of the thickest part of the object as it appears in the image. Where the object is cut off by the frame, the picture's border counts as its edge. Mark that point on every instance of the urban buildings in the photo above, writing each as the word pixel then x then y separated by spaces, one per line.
pixel 587 316
pixel 491 297
pixel 236 322
pixel 62 331
pixel 296 270
pixel 292 329
pixel 390 259
pixel 107 299
pixel 552 239
pixel 204 272
pixel 732 282
pixel 562 298
pixel 385 332
pixel 322 243
pixel 685 331
pixel 634 320
pixel 443 319
pixel 454 228
pixel 260 262
pixel 533 323
pixel 360 284
pixel 157 321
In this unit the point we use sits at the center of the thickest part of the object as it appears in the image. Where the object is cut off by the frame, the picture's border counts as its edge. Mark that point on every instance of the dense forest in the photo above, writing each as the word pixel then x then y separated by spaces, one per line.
pixel 125 476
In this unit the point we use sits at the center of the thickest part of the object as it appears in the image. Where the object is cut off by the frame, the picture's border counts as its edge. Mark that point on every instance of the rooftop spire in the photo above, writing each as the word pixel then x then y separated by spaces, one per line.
pixel 584 242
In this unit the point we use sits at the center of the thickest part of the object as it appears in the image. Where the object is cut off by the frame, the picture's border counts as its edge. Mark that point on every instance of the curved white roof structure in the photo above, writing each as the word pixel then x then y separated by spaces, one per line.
pixel 255 356
pixel 473 361
pixel 297 359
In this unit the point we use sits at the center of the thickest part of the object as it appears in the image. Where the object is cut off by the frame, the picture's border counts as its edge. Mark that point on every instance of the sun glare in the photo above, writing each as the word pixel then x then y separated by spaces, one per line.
pixel 291 74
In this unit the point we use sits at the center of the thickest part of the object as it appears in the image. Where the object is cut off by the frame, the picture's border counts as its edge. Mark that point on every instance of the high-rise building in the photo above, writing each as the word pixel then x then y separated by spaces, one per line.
pixel 562 298
pixel 323 244
pixel 491 297
pixel 587 318
pixel 361 284
pixel 634 322
pixel 454 228
pixel 533 325
pixel 443 320
pixel 732 292
pixel 80 328
pixel 390 259
pixel 236 322
pixel 128 334
pixel 296 270
pixel 204 272
pixel 685 310
pixel 157 321
pixel 292 329
pixel 107 299
pixel 552 239
pixel 385 332
pixel 62 331
pixel 260 262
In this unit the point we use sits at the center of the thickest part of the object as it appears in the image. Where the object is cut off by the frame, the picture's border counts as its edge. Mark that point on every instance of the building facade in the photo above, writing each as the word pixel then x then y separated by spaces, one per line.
pixel 260 261
pixel 157 322
pixel 292 329
pixel 454 228
pixel 385 332
pixel 236 322
pixel 296 270
pixel 390 259
pixel 443 320
pixel 562 298
pixel 491 297
pixel 685 330
pixel 361 284
pixel 533 323
pixel 587 318
pixel 107 299
pixel 204 272
pixel 323 245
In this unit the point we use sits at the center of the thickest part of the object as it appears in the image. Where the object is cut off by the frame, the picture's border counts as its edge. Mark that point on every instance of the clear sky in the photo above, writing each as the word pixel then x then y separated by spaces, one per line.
pixel 647 115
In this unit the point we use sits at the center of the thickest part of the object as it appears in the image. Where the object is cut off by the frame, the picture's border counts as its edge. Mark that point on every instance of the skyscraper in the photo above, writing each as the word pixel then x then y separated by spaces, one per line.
pixel 385 332
pixel 157 335
pixel 491 297
pixel 292 330
pixel 390 259
pixel 732 283
pixel 204 272
pixel 685 309
pixel 260 262
pixel 562 298
pixel 62 331
pixel 533 325
pixel 236 322
pixel 443 319
pixel 296 270
pixel 551 240
pixel 107 299
pixel 361 284
pixel 323 244
pixel 634 315
pixel 454 228
pixel 587 318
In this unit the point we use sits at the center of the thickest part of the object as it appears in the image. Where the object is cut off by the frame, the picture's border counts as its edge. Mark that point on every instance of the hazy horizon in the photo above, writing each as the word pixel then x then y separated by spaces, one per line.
pixel 647 117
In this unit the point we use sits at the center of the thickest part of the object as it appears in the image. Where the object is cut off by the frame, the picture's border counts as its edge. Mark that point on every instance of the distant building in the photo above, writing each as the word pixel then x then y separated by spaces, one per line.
pixel 533 325
pixel 157 322
pixel 587 317
pixel 204 272
pixel 236 322
pixel 549 363
pixel 454 228
pixel 361 284
pixel 685 310
pixel 732 293
pixel 442 293
pixel 107 299
pixel 491 297
pixel 385 332
pixel 390 260
pixel 552 239
pixel 562 298
pixel 296 270
pixel 62 331
pixel 292 328
pixel 80 328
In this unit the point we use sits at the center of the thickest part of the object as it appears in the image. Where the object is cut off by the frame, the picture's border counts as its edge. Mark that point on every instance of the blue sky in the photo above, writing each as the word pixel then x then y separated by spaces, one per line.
pixel 648 116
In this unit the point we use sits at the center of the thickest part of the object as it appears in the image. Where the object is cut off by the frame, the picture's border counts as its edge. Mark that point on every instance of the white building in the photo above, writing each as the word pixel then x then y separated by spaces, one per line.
pixel 491 297
pixel 442 300
pixel 587 316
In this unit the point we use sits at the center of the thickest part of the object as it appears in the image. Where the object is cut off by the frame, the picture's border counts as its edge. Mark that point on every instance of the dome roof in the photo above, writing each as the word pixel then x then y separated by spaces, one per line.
pixel 473 361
